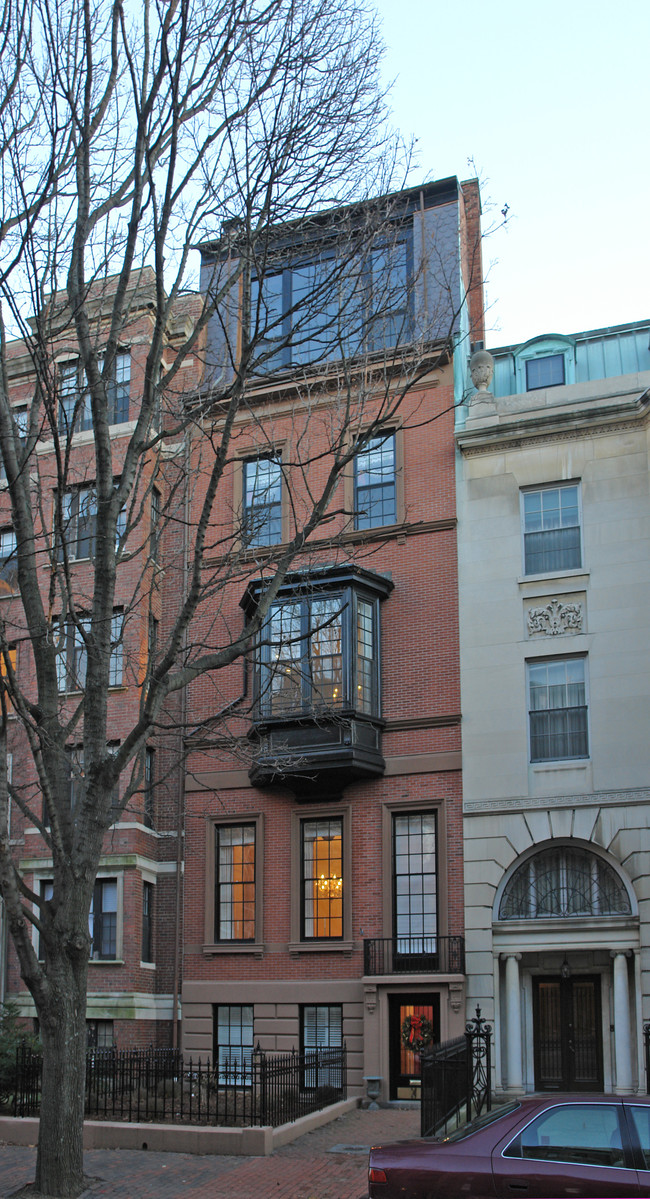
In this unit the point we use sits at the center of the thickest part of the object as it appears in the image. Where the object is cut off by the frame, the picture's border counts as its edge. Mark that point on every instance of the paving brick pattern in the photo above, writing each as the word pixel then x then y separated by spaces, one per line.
pixel 328 1163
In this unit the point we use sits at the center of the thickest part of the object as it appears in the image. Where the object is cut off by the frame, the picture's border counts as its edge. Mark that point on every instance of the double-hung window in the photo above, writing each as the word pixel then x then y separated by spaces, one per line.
pixel 75 413
pixel 375 484
pixel 557 709
pixel 322 878
pixel 102 920
pixel 235 882
pixel 415 883
pixel 262 501
pixel 319 653
pixel 118 388
pixel 147 922
pixel 322 1029
pixel 233 1041
pixel 79 520
pixel 551 521
pixel 72 661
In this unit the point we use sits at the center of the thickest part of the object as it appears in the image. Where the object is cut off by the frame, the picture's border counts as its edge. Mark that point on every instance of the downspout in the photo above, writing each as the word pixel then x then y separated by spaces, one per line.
pixel 180 831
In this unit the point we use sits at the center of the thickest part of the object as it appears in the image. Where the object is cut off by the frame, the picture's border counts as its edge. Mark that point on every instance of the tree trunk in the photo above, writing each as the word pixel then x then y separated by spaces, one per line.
pixel 59 1160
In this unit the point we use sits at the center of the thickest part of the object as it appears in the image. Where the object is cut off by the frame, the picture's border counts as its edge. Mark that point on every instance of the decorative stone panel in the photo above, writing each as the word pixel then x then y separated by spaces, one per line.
pixel 555 618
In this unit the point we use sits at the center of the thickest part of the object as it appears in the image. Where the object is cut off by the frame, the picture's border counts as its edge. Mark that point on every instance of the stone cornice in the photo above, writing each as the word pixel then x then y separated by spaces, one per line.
pixel 524 803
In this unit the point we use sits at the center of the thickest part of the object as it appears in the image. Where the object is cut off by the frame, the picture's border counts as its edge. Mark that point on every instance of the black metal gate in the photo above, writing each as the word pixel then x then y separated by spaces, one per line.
pixel 455 1078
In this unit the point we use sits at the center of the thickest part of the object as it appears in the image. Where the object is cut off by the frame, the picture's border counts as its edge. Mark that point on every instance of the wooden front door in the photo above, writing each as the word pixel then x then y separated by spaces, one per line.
pixel 568 1034
pixel 405 1065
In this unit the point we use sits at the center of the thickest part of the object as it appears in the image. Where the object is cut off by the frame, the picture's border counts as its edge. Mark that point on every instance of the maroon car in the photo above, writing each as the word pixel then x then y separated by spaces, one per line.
pixel 545 1146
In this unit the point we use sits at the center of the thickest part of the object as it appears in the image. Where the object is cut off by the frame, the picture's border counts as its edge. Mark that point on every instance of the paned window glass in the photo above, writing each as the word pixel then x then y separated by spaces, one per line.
pixel 102 920
pixel 322 1028
pixel 375 491
pixel 235 882
pixel 563 882
pixel 558 709
pixel 147 922
pixel 322 874
pixel 415 882
pixel 551 529
pixel 262 517
pixel 545 372
pixel 234 1041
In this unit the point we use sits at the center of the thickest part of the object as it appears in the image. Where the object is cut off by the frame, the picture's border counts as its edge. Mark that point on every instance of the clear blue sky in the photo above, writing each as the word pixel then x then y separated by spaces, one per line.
pixel 551 100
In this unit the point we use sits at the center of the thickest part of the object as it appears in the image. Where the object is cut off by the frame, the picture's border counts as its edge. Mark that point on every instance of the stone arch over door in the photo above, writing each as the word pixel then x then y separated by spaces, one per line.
pixel 565 933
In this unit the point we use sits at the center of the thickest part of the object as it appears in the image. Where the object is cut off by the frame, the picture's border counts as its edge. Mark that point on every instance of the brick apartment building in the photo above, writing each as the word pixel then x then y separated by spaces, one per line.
pixel 293 877
pixel 135 901
pixel 323 876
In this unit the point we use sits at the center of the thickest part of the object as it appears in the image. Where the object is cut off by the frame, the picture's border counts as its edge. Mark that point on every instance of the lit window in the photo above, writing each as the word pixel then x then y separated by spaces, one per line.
pixel 552 539
pixel 320 654
pixel 563 882
pixel 233 1038
pixel 322 878
pixel 557 709
pixel 102 920
pixel 262 511
pixel 375 493
pixel 545 372
pixel 149 785
pixel 415 887
pixel 235 883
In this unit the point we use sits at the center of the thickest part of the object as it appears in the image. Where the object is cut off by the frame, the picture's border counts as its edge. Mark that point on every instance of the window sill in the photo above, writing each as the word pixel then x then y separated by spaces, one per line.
pixel 106 962
pixel 148 965
pixel 225 947
pixel 568 764
pixel 330 946
pixel 578 572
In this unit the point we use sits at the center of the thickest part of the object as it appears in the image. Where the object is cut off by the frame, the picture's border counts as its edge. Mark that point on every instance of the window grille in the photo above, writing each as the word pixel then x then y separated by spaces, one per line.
pixel 564 882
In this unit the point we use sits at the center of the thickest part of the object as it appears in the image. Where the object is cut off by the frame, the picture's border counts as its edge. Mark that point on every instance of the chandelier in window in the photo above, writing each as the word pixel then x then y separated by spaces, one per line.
pixel 330 887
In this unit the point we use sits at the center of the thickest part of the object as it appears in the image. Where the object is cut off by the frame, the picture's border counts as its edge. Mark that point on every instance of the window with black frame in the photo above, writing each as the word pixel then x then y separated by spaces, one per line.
pixel 233 1042
pixel 415 885
pixel 321 1029
pixel 322 879
pixel 338 304
pixel 320 653
pixel 147 922
pixel 102 920
pixel 235 882
pixel 262 501
pixel 375 484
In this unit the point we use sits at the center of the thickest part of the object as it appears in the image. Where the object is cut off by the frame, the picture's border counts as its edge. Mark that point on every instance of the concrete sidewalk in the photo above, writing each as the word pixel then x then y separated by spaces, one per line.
pixel 329 1163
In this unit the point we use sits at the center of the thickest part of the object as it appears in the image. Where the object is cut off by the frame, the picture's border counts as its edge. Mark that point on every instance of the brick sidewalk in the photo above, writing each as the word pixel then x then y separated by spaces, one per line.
pixel 329 1163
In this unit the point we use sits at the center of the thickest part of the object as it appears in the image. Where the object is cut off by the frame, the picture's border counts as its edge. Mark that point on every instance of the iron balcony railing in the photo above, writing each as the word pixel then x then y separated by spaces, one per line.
pixel 414 955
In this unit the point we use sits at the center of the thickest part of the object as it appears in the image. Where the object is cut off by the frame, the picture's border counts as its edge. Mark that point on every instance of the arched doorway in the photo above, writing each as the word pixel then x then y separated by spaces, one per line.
pixel 565 929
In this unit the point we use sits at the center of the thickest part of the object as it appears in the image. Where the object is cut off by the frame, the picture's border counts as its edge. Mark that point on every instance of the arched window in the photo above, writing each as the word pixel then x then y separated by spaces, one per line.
pixel 563 882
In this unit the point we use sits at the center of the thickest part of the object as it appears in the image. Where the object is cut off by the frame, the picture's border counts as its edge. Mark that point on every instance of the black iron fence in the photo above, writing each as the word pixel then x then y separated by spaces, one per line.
pixel 414 955
pixel 151 1085
pixel 455 1078
pixel 646 1045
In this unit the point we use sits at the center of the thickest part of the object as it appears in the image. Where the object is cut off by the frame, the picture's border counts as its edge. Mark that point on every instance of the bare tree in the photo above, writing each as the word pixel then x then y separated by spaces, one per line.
pixel 129 133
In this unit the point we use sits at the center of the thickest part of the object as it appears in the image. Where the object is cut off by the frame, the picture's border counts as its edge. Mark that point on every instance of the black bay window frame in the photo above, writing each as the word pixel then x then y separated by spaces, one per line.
pixel 348 600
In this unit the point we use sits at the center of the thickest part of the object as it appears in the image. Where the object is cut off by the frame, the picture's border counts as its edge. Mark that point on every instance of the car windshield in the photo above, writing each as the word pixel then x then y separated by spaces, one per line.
pixel 482 1121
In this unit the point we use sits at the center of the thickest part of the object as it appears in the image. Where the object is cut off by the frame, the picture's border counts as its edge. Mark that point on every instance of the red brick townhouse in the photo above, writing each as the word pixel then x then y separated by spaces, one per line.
pixel 136 896
pixel 323 891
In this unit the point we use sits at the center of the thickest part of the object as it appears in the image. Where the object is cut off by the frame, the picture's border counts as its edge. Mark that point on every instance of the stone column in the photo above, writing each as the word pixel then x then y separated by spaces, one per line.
pixel 622 1042
pixel 514 1074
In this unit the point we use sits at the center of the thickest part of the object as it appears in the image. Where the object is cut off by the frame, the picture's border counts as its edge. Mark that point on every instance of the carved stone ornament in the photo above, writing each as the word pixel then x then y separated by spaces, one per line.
pixel 455 996
pixel 555 618
pixel 481 368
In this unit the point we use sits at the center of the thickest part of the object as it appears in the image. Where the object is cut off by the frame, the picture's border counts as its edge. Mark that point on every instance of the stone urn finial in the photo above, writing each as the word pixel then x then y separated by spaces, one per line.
pixel 481 368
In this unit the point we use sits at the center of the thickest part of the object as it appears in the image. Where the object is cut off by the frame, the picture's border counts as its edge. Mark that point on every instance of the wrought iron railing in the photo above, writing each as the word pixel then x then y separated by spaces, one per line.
pixel 414 955
pixel 455 1078
pixel 154 1085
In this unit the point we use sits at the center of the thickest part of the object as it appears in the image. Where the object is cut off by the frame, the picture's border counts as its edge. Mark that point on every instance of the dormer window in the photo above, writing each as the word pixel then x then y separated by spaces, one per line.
pixel 545 372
